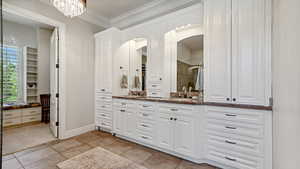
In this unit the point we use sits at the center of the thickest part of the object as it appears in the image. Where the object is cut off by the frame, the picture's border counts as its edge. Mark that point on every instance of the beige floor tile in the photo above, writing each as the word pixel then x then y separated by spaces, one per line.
pixel 137 155
pixel 88 137
pixel 103 141
pixel 161 161
pixel 76 151
pixel 16 139
pixel 190 165
pixel 49 162
pixel 119 147
pixel 11 164
pixel 66 145
pixel 35 156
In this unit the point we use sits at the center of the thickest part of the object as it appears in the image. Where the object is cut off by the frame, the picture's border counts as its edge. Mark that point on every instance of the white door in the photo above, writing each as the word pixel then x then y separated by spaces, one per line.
pixel 118 120
pixel 165 131
pixel 217 51
pixel 130 124
pixel 184 135
pixel 249 52
pixel 54 83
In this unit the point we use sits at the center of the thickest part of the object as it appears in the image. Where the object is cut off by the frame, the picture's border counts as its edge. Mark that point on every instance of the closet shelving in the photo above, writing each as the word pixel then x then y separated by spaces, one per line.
pixel 31 74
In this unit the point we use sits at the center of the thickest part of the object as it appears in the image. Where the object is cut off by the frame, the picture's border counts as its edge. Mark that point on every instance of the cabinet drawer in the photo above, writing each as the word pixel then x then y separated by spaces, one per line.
pixel 103 91
pixel 236 115
pixel 237 144
pixel 233 159
pixel 12 121
pixel 8 114
pixel 27 119
pixel 103 123
pixel 154 86
pixel 145 126
pixel 104 114
pixel 240 129
pixel 146 107
pixel 154 93
pixel 181 109
pixel 104 107
pixel 146 115
pixel 104 98
pixel 146 138
pixel 31 111
pixel 121 104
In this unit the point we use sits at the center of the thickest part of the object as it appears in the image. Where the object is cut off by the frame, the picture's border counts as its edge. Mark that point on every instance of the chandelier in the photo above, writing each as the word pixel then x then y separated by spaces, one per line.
pixel 70 8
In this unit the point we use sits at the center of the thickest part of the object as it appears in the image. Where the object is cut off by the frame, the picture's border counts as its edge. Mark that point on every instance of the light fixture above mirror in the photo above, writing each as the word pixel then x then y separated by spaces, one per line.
pixel 70 8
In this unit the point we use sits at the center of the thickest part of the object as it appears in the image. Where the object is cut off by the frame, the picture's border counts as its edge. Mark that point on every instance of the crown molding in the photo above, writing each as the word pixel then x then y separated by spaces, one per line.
pixel 149 11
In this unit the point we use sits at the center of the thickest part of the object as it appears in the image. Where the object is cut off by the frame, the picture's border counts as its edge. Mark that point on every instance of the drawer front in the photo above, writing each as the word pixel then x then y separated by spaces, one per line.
pixel 104 107
pixel 146 107
pixel 145 126
pixel 103 91
pixel 101 103
pixel 104 98
pixel 180 109
pixel 27 119
pixel 13 121
pixel 237 144
pixel 255 131
pixel 145 115
pixel 120 104
pixel 104 123
pixel 154 86
pixel 233 159
pixel 31 111
pixel 9 114
pixel 145 138
pixel 242 116
pixel 104 114
pixel 154 93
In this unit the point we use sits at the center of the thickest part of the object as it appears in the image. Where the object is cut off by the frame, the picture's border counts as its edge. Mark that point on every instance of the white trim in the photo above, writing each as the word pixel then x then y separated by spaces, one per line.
pixel 150 11
pixel 62 55
pixel 78 131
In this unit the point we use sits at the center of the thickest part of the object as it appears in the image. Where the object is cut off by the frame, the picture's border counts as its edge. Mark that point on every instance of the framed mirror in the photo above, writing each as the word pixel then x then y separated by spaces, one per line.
pixel 135 54
pixel 184 57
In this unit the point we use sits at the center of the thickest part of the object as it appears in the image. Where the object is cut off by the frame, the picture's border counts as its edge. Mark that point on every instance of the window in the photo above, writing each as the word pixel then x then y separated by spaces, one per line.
pixel 12 75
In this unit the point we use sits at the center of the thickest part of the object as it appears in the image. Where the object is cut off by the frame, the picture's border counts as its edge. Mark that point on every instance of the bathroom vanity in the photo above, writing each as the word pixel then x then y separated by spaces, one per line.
pixel 204 49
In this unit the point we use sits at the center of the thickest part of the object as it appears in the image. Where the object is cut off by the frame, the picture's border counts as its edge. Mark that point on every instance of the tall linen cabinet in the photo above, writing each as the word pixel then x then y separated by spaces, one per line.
pixel 237 54
pixel 106 44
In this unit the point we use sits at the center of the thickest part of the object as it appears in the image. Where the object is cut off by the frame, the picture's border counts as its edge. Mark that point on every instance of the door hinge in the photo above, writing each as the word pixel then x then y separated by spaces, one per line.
pixel 57 66
pixel 57 124
pixel 57 95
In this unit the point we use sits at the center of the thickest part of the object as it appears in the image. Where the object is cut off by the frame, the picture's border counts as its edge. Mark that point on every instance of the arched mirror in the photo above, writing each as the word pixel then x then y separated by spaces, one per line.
pixel 184 59
pixel 134 74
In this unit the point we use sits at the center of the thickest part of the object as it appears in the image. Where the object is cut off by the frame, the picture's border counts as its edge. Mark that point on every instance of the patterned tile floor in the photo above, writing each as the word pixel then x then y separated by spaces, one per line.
pixel 46 156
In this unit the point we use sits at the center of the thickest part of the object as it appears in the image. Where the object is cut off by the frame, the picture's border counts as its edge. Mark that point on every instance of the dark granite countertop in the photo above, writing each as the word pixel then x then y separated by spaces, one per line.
pixel 193 102
pixel 20 106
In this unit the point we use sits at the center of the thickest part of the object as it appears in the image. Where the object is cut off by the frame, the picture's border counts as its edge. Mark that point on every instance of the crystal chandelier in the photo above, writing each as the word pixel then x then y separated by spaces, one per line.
pixel 70 8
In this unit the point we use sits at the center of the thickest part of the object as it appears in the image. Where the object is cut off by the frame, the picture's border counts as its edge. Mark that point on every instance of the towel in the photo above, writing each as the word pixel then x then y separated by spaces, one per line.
pixel 124 82
pixel 137 83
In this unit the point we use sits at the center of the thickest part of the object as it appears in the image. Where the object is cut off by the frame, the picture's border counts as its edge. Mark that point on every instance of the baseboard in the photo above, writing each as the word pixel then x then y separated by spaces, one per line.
pixel 78 131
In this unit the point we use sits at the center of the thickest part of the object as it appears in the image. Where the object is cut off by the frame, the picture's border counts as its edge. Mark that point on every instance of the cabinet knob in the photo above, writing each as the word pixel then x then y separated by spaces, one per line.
pixel 175 119
pixel 171 118
pixel 227 99
pixel 234 99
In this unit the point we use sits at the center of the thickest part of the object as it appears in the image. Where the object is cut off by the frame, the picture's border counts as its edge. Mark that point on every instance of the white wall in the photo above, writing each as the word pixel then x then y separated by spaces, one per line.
pixel 43 39
pixel 19 35
pixel 286 84
pixel 80 63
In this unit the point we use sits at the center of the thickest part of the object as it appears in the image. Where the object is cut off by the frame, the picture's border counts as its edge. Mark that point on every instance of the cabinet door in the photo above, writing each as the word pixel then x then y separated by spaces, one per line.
pixel 165 131
pixel 217 51
pixel 98 63
pixel 118 121
pixel 184 136
pixel 130 124
pixel 107 65
pixel 249 52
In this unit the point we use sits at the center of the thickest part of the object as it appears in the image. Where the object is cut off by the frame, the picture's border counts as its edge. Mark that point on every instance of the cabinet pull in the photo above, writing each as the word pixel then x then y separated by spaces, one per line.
pixel 154 85
pixel 32 112
pixel 230 115
pixel 230 142
pixel 122 110
pixel 32 119
pixel 103 124
pixel 8 115
pixel 144 137
pixel 103 90
pixel 103 115
pixel 145 115
pixel 228 127
pixel 231 159
pixel 145 125
pixel 145 106
pixel 174 109
pixel 123 104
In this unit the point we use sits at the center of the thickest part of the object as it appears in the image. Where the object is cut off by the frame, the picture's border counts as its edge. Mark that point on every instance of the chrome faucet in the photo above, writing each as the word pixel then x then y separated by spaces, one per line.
pixel 184 91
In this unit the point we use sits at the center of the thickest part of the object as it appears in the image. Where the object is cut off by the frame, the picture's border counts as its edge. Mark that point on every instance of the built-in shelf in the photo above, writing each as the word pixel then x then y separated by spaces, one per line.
pixel 31 74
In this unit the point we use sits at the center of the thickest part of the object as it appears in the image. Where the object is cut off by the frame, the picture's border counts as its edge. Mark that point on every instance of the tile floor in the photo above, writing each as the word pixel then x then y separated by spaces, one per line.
pixel 16 139
pixel 46 156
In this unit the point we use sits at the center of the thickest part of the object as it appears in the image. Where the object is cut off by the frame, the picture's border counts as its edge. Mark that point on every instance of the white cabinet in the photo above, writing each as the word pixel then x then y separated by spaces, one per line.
pixel 130 124
pixel 217 51
pixel 236 51
pixel 165 131
pixel 184 137
pixel 106 45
